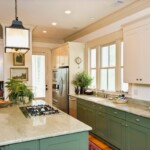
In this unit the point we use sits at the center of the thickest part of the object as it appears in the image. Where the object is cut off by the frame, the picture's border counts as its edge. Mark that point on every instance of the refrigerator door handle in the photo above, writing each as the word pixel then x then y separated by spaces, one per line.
pixel 61 86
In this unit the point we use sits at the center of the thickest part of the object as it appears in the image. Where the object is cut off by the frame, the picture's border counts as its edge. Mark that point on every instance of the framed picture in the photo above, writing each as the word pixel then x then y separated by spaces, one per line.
pixel 18 59
pixel 19 73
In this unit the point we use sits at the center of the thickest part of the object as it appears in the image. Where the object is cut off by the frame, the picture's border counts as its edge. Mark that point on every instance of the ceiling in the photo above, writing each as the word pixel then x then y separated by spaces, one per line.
pixel 39 14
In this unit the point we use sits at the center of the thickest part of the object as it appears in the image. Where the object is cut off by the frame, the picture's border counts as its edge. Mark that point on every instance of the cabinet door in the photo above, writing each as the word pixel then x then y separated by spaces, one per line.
pixel 116 132
pixel 138 137
pixel 86 115
pixel 131 56
pixel 101 125
pixel 77 141
pixel 81 112
pixel 145 53
pixel 55 58
pixel 91 118
pixel 63 55
pixel 32 145
pixel 136 54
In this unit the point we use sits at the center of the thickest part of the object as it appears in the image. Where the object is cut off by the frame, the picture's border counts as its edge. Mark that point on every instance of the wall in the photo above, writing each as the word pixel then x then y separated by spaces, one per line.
pixel 75 50
pixel 137 91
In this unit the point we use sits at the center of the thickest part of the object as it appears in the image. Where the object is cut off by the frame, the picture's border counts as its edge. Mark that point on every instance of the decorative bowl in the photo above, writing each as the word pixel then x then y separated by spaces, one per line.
pixel 4 103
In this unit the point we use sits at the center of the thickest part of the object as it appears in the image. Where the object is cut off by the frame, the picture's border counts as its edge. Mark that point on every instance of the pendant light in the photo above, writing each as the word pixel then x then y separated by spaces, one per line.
pixel 17 38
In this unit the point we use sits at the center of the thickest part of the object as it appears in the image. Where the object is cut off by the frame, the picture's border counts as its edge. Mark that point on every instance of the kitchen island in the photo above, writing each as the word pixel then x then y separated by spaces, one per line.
pixel 50 132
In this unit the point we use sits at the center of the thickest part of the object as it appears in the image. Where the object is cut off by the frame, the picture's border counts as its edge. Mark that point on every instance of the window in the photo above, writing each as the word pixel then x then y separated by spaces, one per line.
pixel 107 67
pixel 93 66
pixel 124 86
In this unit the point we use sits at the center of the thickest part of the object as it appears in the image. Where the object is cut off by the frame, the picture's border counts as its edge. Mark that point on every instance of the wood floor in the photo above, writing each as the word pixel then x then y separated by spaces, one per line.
pixel 95 144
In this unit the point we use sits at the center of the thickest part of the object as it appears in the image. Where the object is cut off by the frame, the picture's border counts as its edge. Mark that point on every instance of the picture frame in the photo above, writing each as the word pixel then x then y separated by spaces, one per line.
pixel 18 59
pixel 19 73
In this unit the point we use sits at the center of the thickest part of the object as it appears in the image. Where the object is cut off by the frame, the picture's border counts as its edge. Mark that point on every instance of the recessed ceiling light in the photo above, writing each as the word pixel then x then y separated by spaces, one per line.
pixel 67 12
pixel 44 31
pixel 54 23
pixel 92 18
pixel 119 1
pixel 75 28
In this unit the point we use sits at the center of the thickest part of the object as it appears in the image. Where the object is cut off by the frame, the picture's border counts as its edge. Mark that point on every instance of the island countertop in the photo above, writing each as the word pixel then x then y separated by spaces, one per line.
pixel 15 127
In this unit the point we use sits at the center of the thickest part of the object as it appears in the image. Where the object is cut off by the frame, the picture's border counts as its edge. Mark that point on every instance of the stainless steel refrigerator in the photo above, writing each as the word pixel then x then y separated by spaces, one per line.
pixel 60 95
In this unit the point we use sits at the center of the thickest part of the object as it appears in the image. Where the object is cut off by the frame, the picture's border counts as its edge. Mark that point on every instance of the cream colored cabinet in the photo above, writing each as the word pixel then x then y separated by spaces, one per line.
pixel 55 58
pixel 137 52
pixel 63 55
pixel 60 56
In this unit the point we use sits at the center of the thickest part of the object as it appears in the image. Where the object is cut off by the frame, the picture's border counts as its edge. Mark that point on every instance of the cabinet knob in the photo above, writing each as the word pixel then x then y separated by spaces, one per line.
pixel 137 79
pixel 140 79
pixel 138 120
pixel 115 112
pixel 126 125
pixel 122 124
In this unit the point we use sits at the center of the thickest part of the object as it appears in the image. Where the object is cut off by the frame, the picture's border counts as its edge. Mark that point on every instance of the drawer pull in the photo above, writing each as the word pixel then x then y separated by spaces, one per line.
pixel 115 112
pixel 122 124
pixel 137 120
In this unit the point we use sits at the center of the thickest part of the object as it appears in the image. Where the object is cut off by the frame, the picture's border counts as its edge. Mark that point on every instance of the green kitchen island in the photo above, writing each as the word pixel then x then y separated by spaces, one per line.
pixel 49 132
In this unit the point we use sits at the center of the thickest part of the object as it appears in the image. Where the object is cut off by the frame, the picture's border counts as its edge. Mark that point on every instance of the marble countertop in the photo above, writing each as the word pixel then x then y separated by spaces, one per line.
pixel 15 127
pixel 133 108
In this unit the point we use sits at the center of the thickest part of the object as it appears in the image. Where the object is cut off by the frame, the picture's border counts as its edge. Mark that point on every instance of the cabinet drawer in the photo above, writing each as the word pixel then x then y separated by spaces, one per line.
pixel 116 113
pixel 138 120
pixel 100 108
pixel 86 103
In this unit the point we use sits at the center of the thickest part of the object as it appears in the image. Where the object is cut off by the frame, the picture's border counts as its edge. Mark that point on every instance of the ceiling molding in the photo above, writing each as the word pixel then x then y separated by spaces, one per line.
pixel 46 40
pixel 120 14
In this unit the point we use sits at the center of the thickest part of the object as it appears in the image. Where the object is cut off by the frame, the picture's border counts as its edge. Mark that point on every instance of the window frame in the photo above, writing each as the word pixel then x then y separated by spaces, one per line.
pixel 98 64
pixel 108 67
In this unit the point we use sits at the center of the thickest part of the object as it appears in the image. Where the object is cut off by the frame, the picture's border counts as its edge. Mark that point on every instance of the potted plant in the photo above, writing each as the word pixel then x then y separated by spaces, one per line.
pixel 82 79
pixel 19 92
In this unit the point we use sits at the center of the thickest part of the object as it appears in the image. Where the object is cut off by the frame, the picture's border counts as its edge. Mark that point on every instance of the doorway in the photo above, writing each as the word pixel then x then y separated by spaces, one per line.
pixel 40 75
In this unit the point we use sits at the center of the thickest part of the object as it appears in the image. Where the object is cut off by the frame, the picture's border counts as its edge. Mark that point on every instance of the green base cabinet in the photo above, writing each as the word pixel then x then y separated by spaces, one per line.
pixel 116 132
pixel 77 141
pixel 137 137
pixel 123 130
pixel 74 141
pixel 31 145
pixel 101 125
pixel 86 113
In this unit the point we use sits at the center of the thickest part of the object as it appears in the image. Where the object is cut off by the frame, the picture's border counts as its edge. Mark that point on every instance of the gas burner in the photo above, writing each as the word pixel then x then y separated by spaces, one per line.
pixel 38 110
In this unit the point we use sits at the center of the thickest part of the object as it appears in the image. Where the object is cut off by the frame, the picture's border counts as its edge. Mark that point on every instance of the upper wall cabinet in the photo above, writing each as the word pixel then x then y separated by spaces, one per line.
pixel 137 52
pixel 55 58
pixel 60 56
pixel 63 55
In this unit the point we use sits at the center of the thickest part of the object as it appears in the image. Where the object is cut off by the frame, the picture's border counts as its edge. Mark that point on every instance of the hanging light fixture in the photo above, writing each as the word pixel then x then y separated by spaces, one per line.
pixel 17 38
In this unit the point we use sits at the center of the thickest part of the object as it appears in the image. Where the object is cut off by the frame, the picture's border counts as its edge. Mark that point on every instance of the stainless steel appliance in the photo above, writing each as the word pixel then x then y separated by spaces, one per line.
pixel 60 94
pixel 38 110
